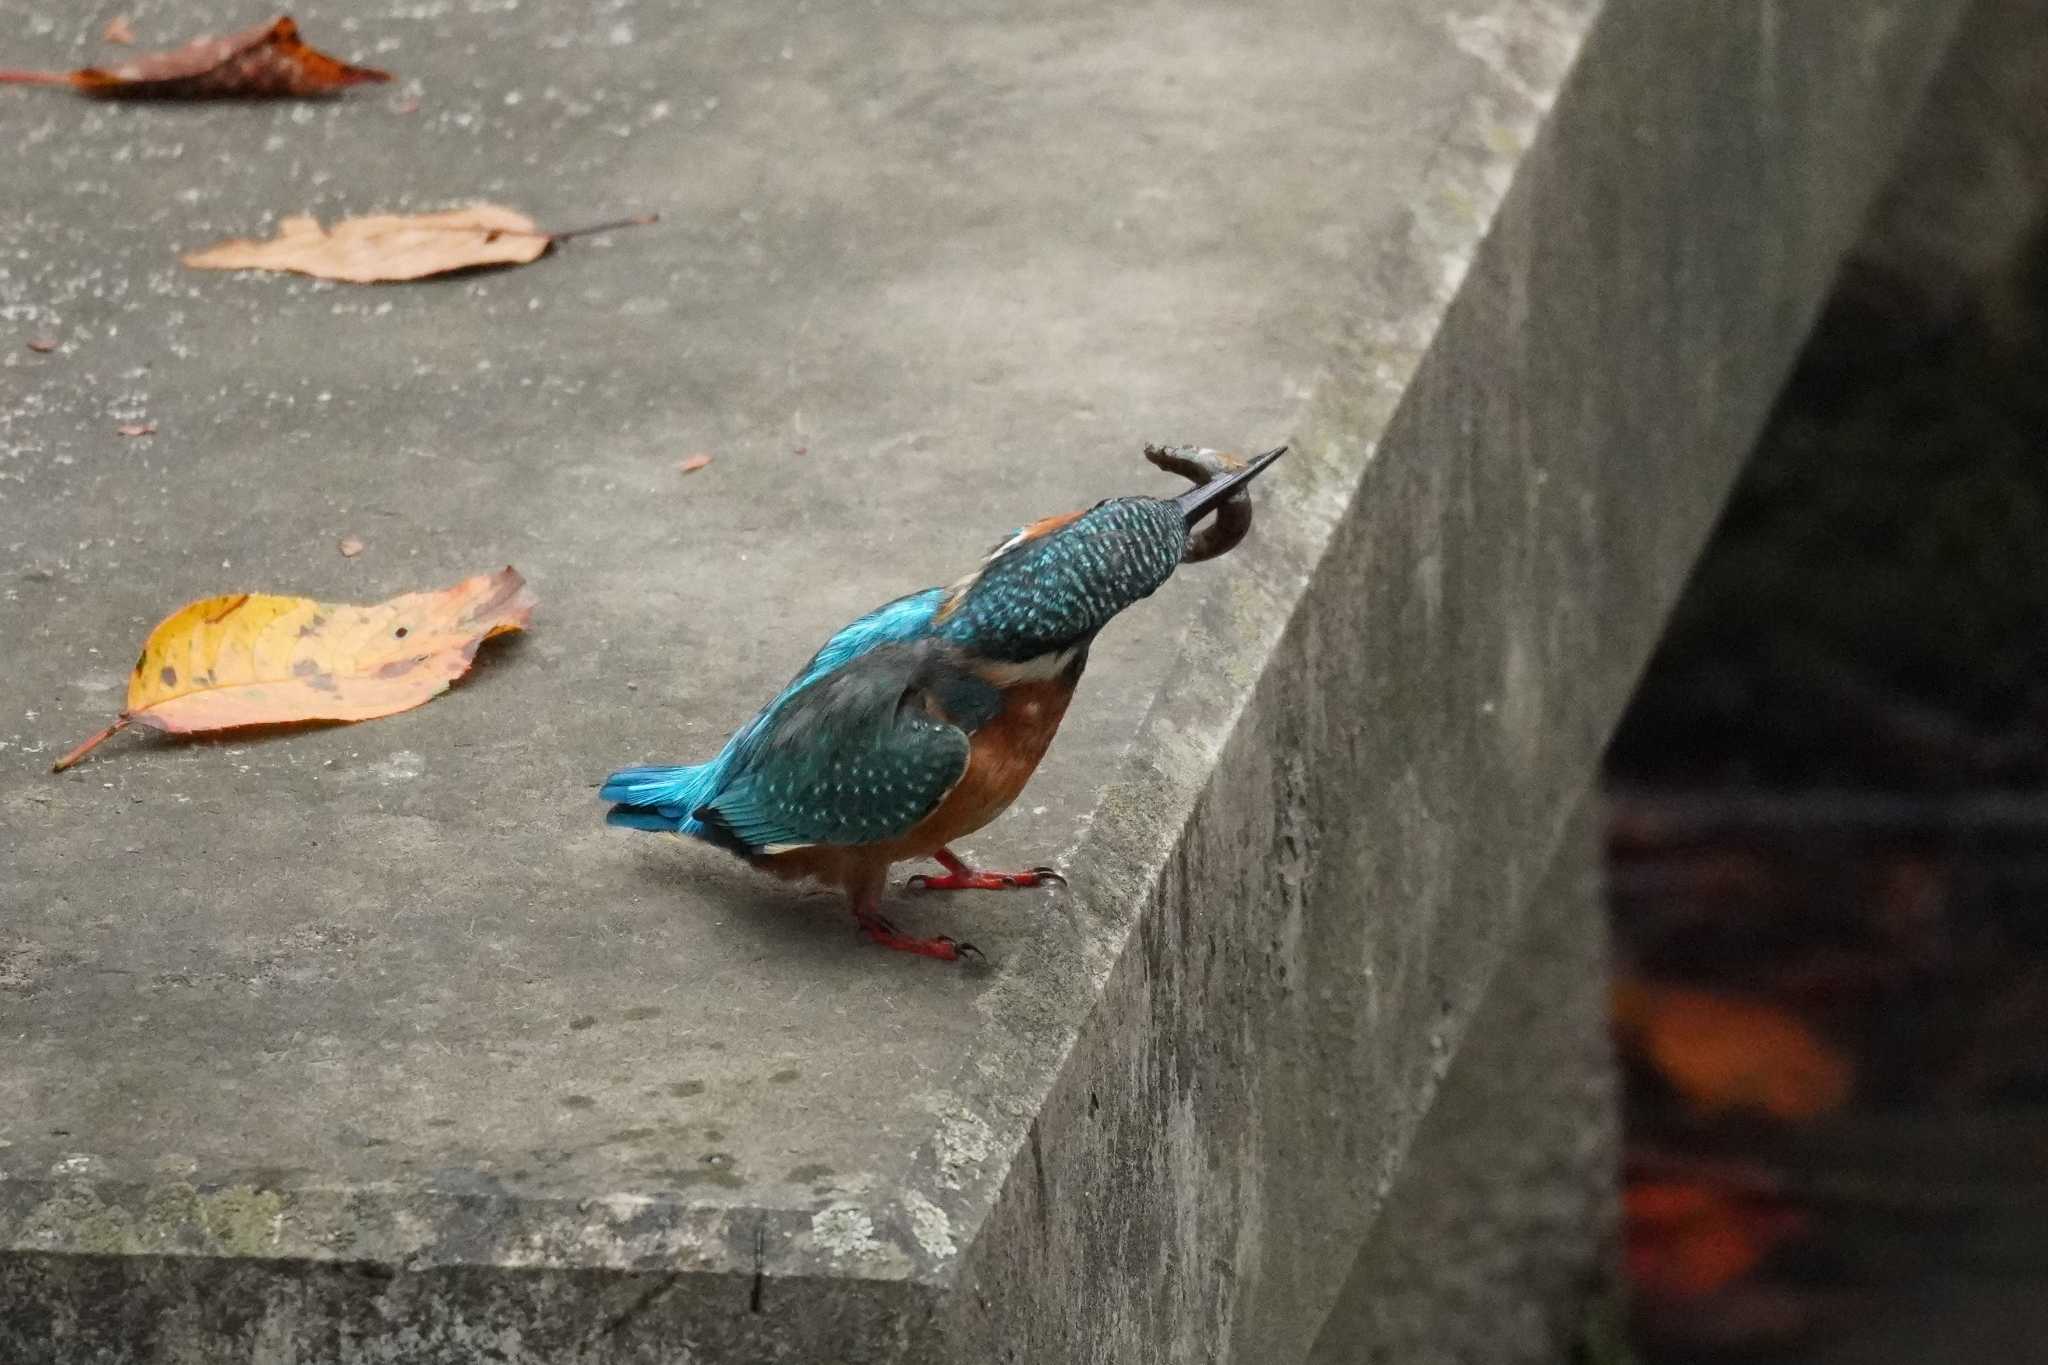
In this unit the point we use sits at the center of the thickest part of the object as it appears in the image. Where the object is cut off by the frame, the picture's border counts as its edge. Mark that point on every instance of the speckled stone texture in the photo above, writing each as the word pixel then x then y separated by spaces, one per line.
pixel 372 1044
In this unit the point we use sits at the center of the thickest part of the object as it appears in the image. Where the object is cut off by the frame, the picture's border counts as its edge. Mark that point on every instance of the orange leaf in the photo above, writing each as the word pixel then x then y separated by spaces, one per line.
pixel 1686 1240
pixel 269 59
pixel 255 659
pixel 1722 1052
pixel 137 429
pixel 385 247
pixel 694 463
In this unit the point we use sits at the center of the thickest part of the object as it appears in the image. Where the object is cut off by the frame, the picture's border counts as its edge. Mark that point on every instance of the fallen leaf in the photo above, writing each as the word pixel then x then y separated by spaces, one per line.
pixel 1686 1240
pixel 42 343
pixel 255 659
pixel 267 60
pixel 1722 1052
pixel 694 463
pixel 117 30
pixel 350 547
pixel 137 428
pixel 383 248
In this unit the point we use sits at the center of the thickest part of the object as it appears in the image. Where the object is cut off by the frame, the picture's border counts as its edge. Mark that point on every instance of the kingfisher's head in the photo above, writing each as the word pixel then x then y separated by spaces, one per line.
pixel 1040 596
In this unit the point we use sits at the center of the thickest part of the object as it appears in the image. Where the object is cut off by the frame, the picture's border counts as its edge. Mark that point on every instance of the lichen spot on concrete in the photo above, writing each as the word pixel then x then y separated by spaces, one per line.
pixel 930 1225
pixel 963 1145
pixel 844 1230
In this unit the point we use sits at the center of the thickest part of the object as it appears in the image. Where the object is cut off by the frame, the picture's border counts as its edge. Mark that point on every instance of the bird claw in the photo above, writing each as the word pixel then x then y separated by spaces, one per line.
pixel 972 880
pixel 886 935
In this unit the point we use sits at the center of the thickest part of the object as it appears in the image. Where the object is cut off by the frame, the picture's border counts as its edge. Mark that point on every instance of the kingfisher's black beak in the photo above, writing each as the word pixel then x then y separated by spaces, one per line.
pixel 1200 500
pixel 1224 494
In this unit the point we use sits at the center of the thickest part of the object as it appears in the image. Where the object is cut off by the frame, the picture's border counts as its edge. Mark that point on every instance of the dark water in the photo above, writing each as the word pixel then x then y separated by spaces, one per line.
pixel 1829 867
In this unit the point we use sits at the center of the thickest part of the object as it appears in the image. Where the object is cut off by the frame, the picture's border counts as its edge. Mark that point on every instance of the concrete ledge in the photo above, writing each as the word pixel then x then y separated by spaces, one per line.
pixel 1500 1230
pixel 1520 280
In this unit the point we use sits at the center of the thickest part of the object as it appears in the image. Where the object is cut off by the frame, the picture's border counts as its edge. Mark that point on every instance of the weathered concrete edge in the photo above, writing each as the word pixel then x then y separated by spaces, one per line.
pixel 1712 180
pixel 1503 1227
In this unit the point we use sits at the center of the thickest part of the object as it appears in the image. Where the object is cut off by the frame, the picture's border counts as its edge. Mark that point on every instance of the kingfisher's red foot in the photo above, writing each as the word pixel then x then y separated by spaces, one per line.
pixel 958 876
pixel 881 932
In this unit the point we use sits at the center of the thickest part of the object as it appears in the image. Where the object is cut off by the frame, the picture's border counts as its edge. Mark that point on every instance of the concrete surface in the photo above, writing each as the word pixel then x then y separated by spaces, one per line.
pixel 1500 1228
pixel 372 1044
pixel 1960 219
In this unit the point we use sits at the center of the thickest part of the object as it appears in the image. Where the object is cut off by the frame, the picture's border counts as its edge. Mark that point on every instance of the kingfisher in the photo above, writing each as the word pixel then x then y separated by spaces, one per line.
pixel 921 722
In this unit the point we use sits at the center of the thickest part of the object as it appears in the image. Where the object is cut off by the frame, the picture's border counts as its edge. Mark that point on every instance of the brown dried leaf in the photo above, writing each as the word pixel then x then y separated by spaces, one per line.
pixel 118 30
pixel 137 429
pixel 350 547
pixel 694 463
pixel 267 60
pixel 387 247
pixel 257 659
pixel 42 344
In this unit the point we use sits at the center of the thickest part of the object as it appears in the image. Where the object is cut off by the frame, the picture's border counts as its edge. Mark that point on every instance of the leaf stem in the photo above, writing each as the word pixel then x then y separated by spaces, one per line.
pixel 120 724
pixel 637 220
pixel 14 77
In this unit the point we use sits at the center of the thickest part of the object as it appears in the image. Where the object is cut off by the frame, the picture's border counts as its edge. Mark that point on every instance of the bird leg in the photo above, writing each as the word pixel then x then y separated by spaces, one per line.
pixel 960 877
pixel 882 932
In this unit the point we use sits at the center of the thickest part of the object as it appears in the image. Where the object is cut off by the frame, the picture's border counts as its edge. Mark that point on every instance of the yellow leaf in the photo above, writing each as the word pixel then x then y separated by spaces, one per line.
pixel 1724 1052
pixel 256 659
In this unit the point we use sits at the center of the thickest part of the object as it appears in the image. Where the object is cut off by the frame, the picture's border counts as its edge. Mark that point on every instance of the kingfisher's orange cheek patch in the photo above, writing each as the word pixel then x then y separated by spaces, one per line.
pixel 1049 525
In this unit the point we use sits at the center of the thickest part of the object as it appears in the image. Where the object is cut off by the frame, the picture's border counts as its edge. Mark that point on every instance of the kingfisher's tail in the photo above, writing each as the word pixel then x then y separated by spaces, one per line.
pixel 658 799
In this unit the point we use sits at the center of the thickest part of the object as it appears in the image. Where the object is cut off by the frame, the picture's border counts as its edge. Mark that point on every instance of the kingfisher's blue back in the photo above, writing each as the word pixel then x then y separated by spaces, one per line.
pixel 666 799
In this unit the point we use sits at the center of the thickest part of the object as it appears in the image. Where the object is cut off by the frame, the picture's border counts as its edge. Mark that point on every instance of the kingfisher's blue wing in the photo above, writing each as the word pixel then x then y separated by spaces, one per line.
pixel 856 756
pixel 906 618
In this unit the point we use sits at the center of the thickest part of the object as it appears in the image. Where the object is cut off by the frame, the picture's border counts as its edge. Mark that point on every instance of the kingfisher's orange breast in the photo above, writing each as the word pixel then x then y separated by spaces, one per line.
pixel 1006 752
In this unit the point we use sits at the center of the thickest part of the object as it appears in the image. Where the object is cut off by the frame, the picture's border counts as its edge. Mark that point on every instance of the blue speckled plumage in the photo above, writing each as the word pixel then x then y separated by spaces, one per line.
pixel 858 755
pixel 873 733
pixel 1031 597
pixel 664 799
pixel 1036 596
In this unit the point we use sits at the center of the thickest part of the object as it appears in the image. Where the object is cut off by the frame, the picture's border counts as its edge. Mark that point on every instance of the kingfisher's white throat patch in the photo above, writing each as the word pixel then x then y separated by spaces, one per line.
pixel 1042 668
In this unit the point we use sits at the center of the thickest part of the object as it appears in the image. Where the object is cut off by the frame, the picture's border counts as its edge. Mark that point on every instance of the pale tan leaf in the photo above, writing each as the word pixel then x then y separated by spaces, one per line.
pixel 385 247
